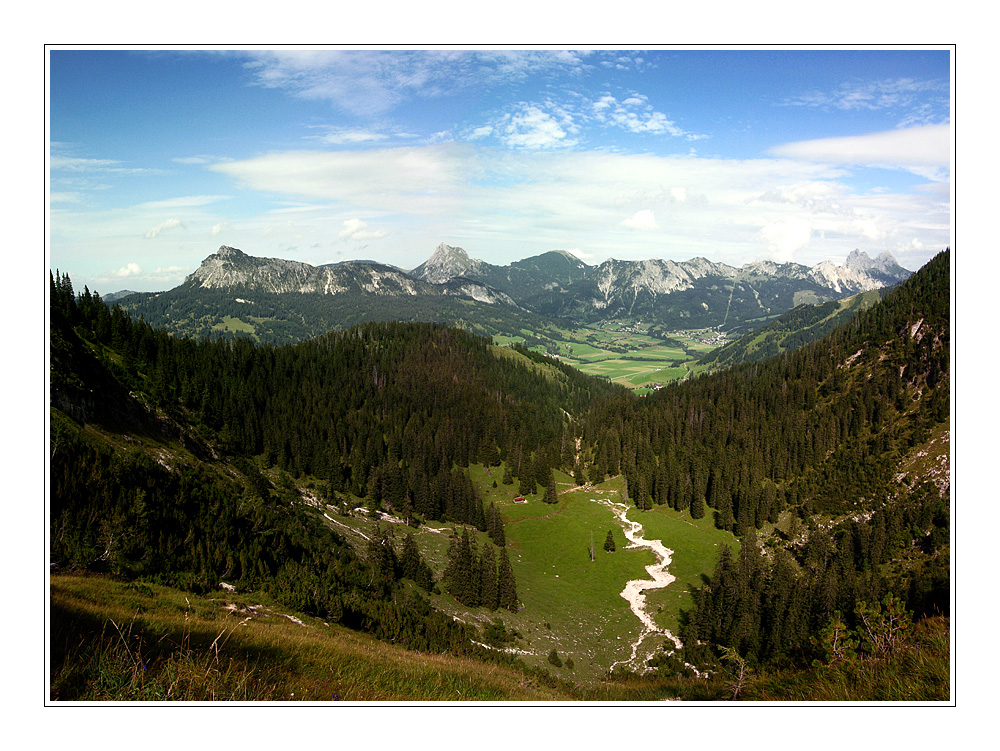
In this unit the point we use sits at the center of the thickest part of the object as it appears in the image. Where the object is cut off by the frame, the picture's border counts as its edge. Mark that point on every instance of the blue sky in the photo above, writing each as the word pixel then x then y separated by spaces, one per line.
pixel 159 157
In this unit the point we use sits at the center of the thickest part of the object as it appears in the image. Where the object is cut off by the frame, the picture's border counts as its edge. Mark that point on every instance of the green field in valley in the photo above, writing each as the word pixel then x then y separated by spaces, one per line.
pixel 570 603
pixel 626 353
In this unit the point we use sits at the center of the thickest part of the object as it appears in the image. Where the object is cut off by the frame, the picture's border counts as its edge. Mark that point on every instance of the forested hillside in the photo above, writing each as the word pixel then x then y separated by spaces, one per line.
pixel 790 331
pixel 158 447
pixel 819 434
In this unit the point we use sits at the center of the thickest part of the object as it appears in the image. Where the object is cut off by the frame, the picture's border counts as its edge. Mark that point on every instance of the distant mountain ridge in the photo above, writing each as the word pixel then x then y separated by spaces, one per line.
pixel 556 272
pixel 232 268
pixel 283 300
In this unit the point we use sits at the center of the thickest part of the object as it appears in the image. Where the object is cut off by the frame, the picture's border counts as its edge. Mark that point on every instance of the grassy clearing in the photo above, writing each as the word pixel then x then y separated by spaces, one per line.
pixel 571 604
pixel 236 325
pixel 696 545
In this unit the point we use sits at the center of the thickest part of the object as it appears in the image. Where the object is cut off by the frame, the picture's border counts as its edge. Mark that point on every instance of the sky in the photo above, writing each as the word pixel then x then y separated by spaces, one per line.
pixel 158 157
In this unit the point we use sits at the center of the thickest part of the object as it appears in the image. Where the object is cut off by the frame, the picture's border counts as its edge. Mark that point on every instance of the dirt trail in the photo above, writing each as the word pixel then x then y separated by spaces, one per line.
pixel 635 590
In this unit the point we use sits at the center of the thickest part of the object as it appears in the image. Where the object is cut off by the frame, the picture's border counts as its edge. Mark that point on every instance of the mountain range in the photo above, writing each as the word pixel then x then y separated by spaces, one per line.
pixel 451 286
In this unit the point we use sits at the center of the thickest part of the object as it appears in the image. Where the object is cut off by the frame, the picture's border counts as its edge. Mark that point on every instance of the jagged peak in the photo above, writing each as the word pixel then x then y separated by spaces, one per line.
pixel 858 259
pixel 450 252
pixel 227 251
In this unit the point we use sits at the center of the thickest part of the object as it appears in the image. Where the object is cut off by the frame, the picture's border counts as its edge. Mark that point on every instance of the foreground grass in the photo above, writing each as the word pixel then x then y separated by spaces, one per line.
pixel 918 671
pixel 113 641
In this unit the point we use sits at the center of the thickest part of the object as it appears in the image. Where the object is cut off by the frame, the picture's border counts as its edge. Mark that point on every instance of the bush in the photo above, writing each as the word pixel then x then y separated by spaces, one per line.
pixel 554 659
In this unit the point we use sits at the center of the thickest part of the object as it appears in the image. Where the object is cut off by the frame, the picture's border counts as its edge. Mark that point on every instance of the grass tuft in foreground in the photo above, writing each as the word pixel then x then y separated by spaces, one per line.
pixel 114 641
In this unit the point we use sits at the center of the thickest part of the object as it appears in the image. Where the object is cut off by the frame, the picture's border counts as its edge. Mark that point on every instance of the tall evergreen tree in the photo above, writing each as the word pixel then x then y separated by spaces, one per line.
pixel 609 542
pixel 551 496
pixel 506 584
pixel 489 582
pixel 412 565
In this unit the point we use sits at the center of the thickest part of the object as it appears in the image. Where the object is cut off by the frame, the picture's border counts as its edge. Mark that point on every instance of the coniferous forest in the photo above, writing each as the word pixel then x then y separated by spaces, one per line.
pixel 396 413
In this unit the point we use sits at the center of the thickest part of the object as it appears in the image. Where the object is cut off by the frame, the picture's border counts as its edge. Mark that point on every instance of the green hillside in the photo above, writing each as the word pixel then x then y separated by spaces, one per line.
pixel 790 331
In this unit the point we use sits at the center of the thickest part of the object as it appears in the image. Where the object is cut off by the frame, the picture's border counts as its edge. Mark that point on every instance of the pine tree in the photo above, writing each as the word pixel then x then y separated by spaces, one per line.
pixel 489 583
pixel 412 565
pixel 506 585
pixel 697 507
pixel 494 526
pixel 551 496
pixel 609 542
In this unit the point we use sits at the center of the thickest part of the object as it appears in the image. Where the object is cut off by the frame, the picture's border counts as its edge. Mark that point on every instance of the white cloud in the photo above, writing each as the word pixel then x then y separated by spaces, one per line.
pixel 635 114
pixel 347 136
pixel 59 162
pixel 64 197
pixel 534 128
pixel 415 180
pixel 203 159
pixel 786 236
pixel 371 82
pixel 219 228
pixel 480 198
pixel 923 150
pixel 131 269
pixel 355 230
pixel 181 202
pixel 481 132
pixel 164 226
pixel 888 93
pixel 640 220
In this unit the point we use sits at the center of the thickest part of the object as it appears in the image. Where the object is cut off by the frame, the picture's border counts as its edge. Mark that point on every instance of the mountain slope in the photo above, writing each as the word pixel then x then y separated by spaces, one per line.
pixel 790 331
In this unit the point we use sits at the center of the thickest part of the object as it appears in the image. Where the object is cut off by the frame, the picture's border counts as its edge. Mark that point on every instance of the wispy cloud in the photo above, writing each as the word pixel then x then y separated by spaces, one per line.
pixel 923 150
pixel 637 115
pixel 181 202
pixel 164 226
pixel 373 82
pixel 65 163
pixel 871 95
pixel 917 102
pixel 338 136
pixel 568 123
pixel 605 203
pixel 415 180
pixel 64 197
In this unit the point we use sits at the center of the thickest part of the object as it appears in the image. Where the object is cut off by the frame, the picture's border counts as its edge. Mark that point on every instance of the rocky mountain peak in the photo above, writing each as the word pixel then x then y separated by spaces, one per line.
pixel 228 252
pixel 859 260
pixel 446 263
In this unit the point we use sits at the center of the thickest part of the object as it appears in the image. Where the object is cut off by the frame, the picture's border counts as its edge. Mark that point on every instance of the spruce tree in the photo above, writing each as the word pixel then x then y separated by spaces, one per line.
pixel 551 496
pixel 489 583
pixel 506 585
pixel 609 542
pixel 697 507
pixel 412 565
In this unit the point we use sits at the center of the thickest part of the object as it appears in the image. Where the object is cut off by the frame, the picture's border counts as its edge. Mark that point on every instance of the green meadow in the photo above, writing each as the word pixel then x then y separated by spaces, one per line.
pixel 569 603
pixel 624 353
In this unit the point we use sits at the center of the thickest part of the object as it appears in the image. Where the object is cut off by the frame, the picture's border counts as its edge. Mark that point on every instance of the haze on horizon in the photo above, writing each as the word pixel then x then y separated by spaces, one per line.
pixel 159 157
